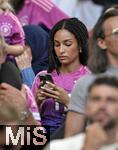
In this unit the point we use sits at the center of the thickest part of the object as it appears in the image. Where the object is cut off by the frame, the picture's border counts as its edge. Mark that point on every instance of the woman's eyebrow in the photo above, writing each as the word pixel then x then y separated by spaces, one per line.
pixel 64 40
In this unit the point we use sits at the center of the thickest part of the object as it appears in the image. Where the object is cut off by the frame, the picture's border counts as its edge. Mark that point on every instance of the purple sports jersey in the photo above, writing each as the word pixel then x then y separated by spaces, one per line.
pixel 53 113
pixel 40 12
pixel 11 28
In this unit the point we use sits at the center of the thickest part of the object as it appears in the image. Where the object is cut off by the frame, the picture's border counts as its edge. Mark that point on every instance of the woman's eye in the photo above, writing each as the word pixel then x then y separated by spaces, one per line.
pixel 56 45
pixel 68 44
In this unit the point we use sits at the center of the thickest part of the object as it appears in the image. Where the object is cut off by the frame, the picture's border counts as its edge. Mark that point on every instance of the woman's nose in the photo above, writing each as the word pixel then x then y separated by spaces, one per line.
pixel 61 49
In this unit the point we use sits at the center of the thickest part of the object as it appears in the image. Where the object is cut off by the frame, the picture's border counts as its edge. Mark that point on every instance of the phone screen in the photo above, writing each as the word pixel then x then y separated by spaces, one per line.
pixel 42 79
pixel 49 78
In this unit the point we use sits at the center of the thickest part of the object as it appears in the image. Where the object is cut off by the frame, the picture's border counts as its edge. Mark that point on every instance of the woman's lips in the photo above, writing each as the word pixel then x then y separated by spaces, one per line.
pixel 63 57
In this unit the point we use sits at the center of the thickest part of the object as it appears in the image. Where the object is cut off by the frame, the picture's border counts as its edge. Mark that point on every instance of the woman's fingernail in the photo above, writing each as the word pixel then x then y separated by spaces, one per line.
pixel 47 82
pixel 42 87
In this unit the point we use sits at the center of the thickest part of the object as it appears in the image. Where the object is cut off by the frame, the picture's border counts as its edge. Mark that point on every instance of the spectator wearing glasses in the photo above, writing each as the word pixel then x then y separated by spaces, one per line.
pixel 103 59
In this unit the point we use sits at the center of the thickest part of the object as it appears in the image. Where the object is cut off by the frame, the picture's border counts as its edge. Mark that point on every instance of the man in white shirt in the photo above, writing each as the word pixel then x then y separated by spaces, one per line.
pixel 102 112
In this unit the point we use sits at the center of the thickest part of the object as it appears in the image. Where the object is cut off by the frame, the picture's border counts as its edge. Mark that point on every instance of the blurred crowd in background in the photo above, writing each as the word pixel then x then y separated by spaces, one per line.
pixel 59 70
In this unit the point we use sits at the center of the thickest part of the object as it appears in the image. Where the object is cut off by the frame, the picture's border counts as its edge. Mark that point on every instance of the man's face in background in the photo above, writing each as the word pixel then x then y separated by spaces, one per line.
pixel 102 105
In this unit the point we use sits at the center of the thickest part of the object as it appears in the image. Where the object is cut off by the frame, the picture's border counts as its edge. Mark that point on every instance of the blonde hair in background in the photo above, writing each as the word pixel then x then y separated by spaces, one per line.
pixel 5 5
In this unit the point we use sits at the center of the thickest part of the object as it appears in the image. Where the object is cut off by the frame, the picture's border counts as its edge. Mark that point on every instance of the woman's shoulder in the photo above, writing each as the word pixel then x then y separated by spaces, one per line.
pixel 84 69
pixel 41 72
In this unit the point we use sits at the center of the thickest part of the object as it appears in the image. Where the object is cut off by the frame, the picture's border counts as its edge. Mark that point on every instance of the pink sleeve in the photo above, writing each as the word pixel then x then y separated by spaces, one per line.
pixel 35 85
pixel 47 14
pixel 36 82
pixel 54 16
pixel 18 36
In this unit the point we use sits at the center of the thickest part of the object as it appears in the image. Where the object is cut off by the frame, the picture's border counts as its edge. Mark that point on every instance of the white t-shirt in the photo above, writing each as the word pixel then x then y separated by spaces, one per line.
pixel 75 143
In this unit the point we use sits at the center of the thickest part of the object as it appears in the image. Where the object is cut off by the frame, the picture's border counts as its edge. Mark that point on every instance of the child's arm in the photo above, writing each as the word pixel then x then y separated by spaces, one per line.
pixel 16 43
pixel 14 50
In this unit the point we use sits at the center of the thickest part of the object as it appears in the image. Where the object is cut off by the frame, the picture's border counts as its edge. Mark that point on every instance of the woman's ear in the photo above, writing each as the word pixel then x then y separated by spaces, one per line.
pixel 101 43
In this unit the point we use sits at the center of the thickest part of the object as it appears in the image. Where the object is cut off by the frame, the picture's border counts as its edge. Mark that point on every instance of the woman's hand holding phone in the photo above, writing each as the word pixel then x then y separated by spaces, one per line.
pixel 53 91
pixel 39 95
pixel 48 89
